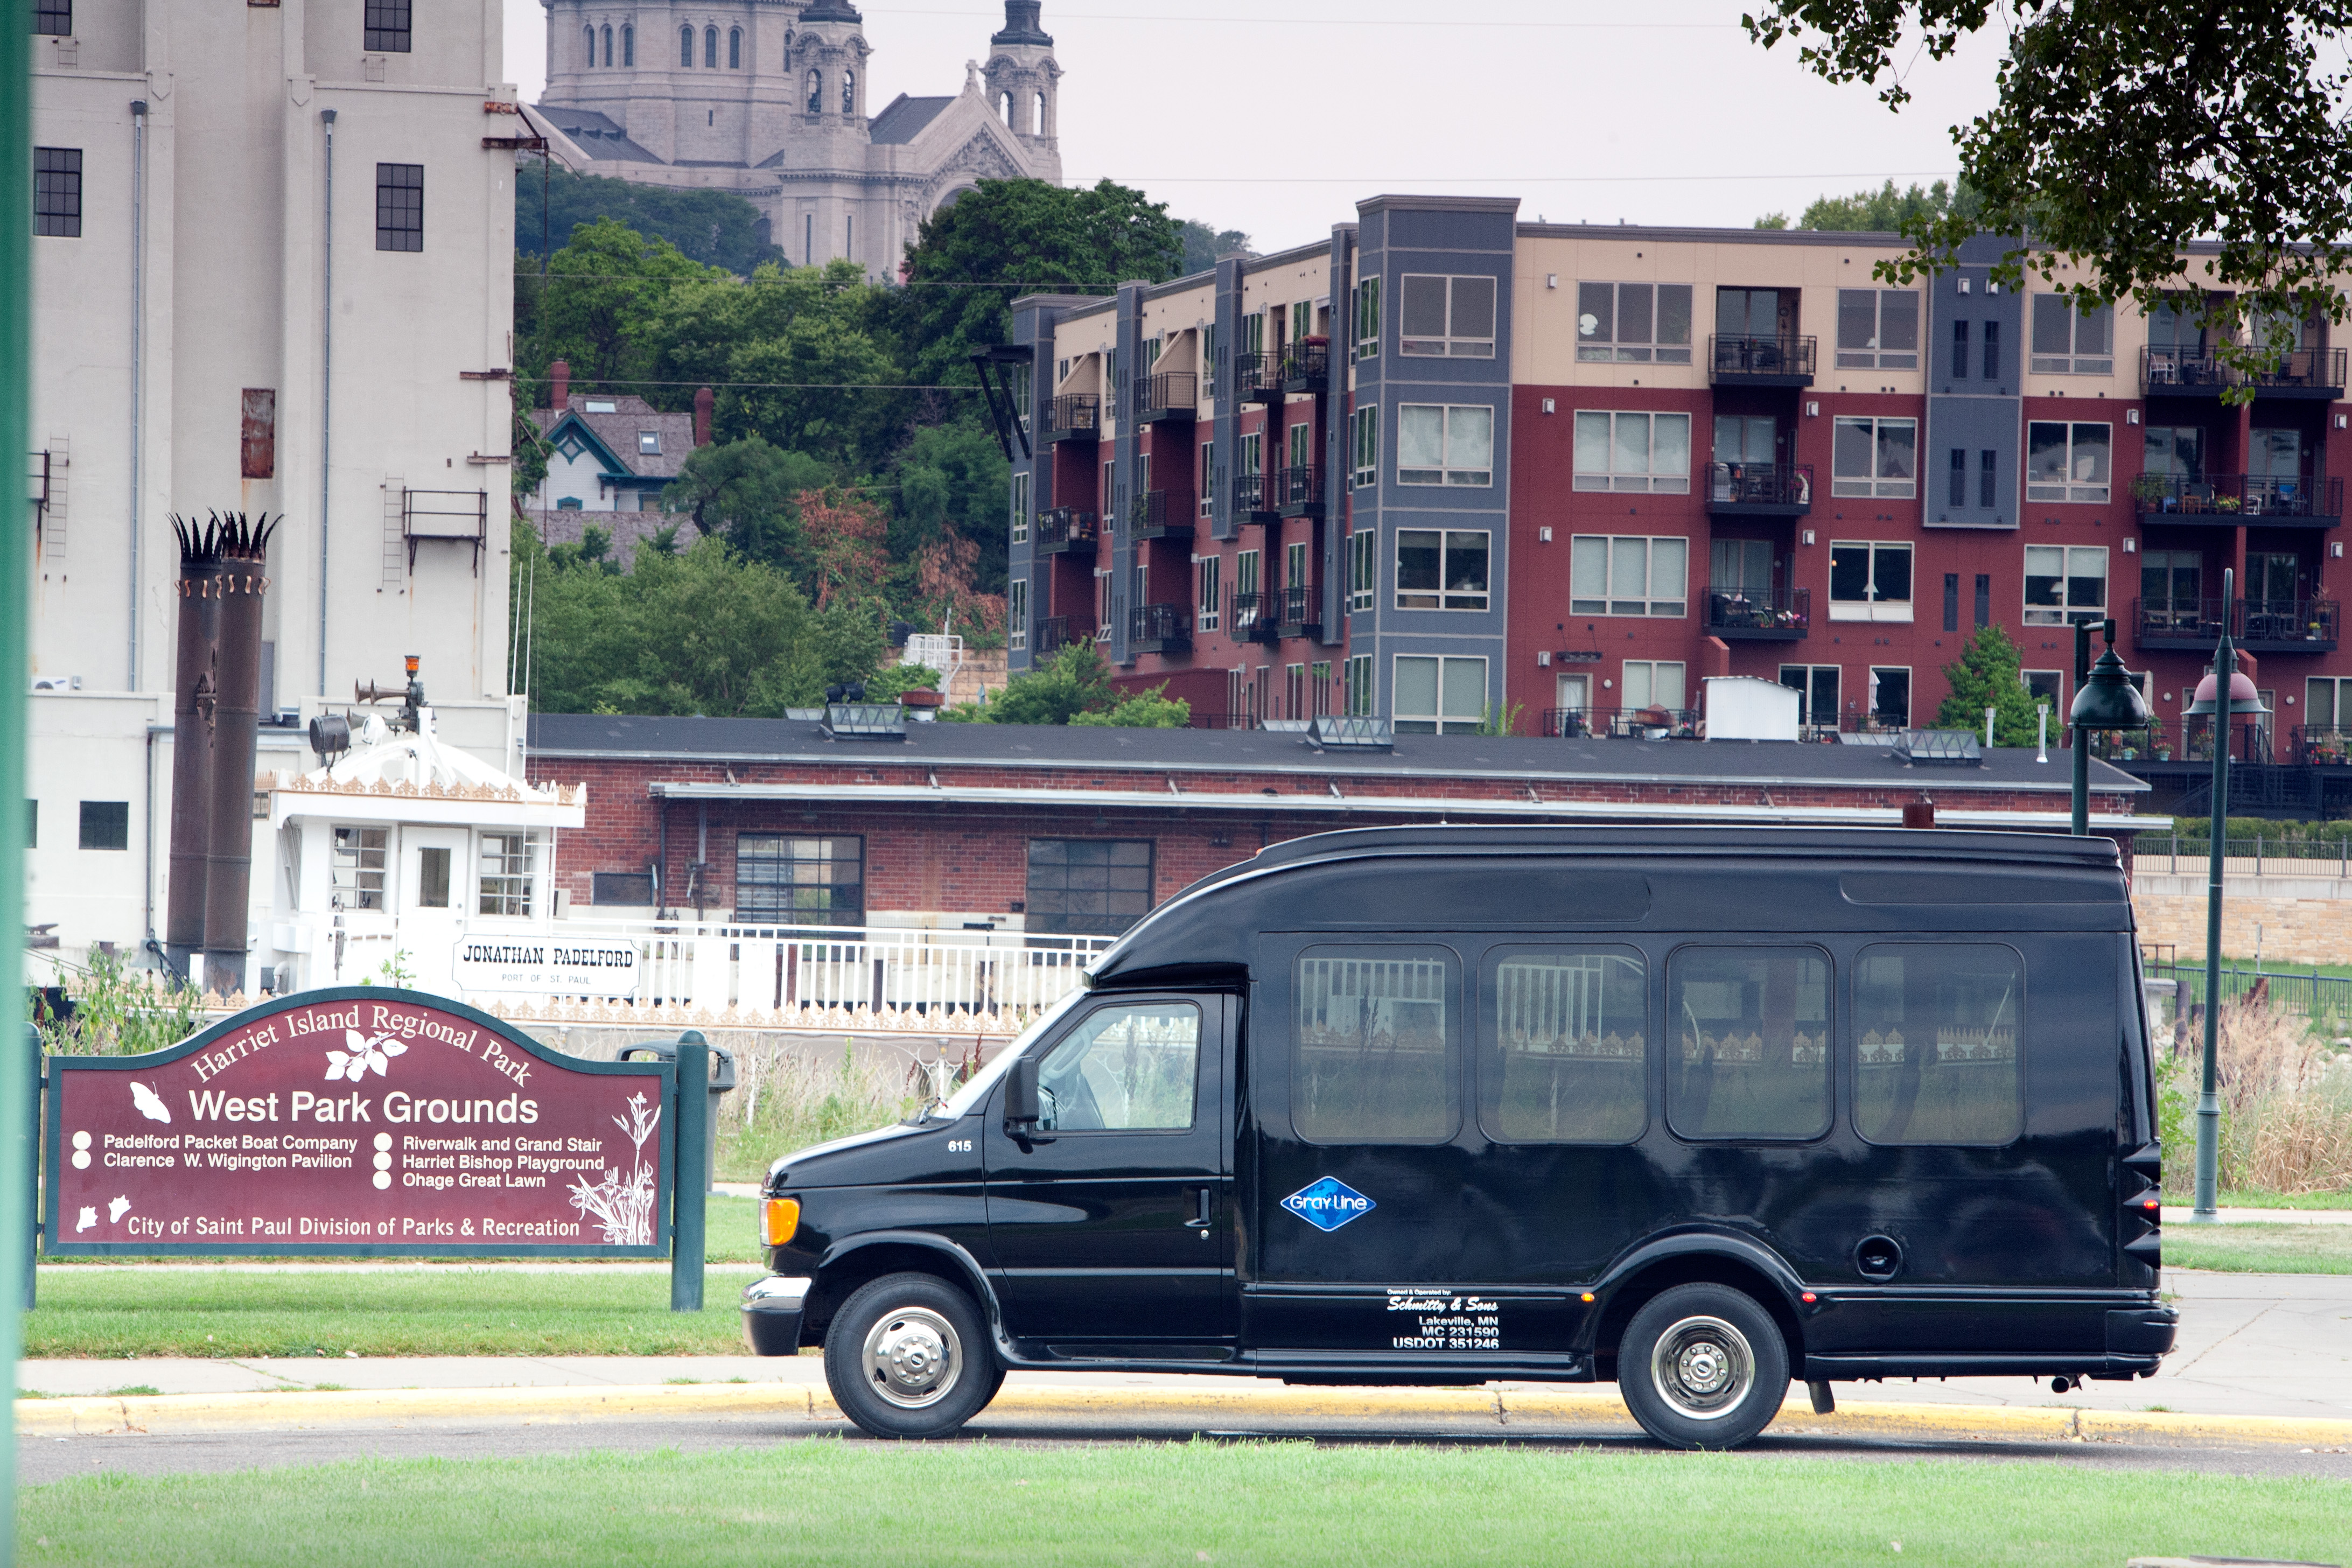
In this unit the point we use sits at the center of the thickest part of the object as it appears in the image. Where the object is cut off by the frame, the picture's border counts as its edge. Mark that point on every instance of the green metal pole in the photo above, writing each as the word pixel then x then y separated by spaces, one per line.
pixel 2209 1099
pixel 2082 827
pixel 17 1187
pixel 690 1178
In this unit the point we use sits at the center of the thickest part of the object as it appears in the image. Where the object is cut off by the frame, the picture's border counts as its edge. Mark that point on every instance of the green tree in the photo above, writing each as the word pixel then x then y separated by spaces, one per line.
pixel 1075 687
pixel 1986 675
pixel 952 479
pixel 1023 237
pixel 1202 245
pixel 718 228
pixel 2122 132
pixel 1149 709
pixel 747 493
pixel 597 307
pixel 1885 210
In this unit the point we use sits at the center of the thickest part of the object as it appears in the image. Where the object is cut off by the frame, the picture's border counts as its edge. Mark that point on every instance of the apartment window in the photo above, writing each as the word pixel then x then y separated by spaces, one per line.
pixel 1869 581
pixel 1988 479
pixel 1254 452
pixel 2327 706
pixel 1750 1058
pixel 1293 691
pixel 1635 323
pixel 1878 328
pixel 1816 686
pixel 1959 487
pixel 1367 319
pixel 1253 334
pixel 1294 564
pixel 385 24
pixel 1448 317
pixel 2067 462
pixel 1091 887
pixel 54 17
pixel 711 48
pixel 1439 694
pixel 1442 569
pixel 1654 683
pixel 1951 601
pixel 400 207
pixel 1890 697
pixel 1302 324
pixel 628 46
pixel 1212 596
pixel 1992 350
pixel 509 866
pixel 1444 444
pixel 1302 447
pixel 734 49
pixel 1984 600
pixel 1245 572
pixel 2064 584
pixel 1356 694
pixel 1206 490
pixel 1016 619
pixel 1628 576
pixel 800 881
pixel 355 867
pixel 1959 351
pixel 1021 508
pixel 2175 451
pixel 1936 1044
pixel 56 192
pixel 1364 446
pixel 2070 343
pixel 1363 568
pixel 1626 452
pixel 2045 687
pixel 1875 457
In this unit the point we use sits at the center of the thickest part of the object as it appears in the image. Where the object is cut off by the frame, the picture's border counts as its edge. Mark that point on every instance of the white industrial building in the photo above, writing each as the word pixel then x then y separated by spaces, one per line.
pixel 271 263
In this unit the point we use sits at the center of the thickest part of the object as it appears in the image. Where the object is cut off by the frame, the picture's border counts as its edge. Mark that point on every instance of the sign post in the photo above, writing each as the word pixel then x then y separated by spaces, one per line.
pixel 691 1188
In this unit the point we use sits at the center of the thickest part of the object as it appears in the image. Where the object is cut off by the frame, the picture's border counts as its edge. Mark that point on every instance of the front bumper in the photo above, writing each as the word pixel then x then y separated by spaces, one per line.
pixel 772 1314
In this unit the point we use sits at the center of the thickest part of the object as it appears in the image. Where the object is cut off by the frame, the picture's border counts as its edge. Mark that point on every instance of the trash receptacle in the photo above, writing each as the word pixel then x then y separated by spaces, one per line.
pixel 722 1079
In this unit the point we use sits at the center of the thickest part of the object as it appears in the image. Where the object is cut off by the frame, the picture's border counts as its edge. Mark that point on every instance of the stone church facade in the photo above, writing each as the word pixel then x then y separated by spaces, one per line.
pixel 772 99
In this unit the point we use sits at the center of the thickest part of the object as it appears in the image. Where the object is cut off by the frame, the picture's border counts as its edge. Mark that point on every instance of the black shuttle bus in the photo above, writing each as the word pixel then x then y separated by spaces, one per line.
pixel 1701 1111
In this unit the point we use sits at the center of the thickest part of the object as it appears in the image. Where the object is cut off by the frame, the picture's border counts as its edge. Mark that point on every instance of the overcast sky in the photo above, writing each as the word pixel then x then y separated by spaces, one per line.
pixel 1277 124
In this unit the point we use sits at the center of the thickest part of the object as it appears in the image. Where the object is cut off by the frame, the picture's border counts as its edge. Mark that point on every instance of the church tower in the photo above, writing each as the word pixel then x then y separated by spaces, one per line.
pixel 1022 78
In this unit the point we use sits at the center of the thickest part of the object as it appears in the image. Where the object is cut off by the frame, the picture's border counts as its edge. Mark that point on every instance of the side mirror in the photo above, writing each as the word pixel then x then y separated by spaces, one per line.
pixel 1021 1094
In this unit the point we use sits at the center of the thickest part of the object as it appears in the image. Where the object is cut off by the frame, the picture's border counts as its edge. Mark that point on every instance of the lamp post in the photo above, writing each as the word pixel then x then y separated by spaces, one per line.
pixel 2105 699
pixel 2224 694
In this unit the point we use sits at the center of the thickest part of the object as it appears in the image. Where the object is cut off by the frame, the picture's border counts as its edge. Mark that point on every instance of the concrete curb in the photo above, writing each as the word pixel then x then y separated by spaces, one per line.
pixel 1220 1409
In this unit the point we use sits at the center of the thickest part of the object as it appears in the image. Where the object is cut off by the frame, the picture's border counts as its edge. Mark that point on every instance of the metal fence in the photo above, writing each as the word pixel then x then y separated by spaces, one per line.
pixel 2250 857
pixel 2307 993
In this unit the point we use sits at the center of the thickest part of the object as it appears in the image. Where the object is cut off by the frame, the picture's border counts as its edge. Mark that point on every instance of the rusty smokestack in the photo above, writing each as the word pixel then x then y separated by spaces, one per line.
pixel 703 403
pixel 243 548
pixel 559 389
pixel 195 688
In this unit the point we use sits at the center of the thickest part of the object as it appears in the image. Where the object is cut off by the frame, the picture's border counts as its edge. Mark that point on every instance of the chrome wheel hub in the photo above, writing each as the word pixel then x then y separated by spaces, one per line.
pixel 1703 1368
pixel 913 1357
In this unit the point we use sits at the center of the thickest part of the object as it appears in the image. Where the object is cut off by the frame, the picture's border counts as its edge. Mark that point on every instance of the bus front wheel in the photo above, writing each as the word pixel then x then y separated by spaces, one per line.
pixel 1703 1366
pixel 907 1356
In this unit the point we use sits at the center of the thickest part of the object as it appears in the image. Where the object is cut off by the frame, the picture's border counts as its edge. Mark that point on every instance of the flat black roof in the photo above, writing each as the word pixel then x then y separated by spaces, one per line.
pixel 1768 764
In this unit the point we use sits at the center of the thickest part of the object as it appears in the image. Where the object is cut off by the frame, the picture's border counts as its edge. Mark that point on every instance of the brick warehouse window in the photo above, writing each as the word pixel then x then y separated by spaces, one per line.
pixel 800 881
pixel 1088 887
pixel 52 16
pixel 387 24
pixel 56 192
pixel 628 888
pixel 400 207
pixel 106 824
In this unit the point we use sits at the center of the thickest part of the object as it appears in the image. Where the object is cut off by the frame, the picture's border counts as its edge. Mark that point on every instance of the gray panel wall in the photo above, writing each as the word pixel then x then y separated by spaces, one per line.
pixel 1977 364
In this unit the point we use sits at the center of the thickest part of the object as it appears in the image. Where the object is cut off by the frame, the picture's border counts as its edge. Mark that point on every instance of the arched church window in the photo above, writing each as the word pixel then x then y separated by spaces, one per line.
pixel 685 47
pixel 849 92
pixel 608 46
pixel 816 93
pixel 711 48
pixel 1004 104
pixel 1037 109
pixel 628 46
pixel 592 48
pixel 734 49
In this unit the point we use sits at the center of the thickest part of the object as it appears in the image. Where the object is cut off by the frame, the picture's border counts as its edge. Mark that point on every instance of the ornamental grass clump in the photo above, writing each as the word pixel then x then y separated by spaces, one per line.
pixel 2286 1106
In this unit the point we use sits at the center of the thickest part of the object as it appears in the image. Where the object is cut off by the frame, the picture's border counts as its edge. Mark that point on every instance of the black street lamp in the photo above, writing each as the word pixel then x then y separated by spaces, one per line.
pixel 2242 698
pixel 2105 699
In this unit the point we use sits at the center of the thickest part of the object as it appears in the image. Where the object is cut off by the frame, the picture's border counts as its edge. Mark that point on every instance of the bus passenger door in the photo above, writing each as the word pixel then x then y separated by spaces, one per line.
pixel 1113 1220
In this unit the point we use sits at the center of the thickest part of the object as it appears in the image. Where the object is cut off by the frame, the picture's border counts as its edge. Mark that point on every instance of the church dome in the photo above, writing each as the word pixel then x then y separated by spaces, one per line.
pixel 1021 25
pixel 831 11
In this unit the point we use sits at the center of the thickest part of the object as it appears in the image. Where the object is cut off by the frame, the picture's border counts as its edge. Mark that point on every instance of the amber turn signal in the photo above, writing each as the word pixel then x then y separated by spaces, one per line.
pixel 778 1219
pixel 1587 1295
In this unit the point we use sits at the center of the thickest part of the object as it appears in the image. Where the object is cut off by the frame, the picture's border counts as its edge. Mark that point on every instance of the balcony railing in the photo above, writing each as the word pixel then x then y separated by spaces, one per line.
pixel 1299 613
pixel 1621 724
pixel 1759 489
pixel 2202 373
pixel 1159 628
pixel 1300 490
pixel 1254 618
pixel 2230 498
pixel 1076 418
pixel 2301 372
pixel 1170 396
pixel 1066 530
pixel 1055 633
pixel 2178 624
pixel 1762 362
pixel 1257 377
pixel 1257 498
pixel 1162 514
pixel 2179 741
pixel 2323 745
pixel 1760 614
pixel 1306 365
pixel 2263 625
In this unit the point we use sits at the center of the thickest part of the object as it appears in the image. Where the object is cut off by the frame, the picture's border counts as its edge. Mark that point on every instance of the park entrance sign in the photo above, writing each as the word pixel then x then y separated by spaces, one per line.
pixel 362 1120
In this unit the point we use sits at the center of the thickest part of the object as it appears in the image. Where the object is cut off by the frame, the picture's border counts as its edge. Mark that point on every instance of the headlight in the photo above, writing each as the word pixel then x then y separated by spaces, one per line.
pixel 779 1218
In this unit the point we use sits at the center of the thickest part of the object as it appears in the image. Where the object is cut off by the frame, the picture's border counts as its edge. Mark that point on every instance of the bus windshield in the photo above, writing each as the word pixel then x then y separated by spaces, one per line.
pixel 975 1088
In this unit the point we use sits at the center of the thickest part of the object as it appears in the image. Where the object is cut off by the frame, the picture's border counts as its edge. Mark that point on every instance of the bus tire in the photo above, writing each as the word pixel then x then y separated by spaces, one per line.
pixel 1703 1366
pixel 908 1356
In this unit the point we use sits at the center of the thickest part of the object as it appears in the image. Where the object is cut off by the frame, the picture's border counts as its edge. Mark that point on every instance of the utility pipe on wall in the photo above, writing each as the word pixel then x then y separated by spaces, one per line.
pixel 326 388
pixel 138 356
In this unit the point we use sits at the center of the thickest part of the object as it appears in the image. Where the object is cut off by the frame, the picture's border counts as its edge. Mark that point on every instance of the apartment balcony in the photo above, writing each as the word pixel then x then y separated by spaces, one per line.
pixel 1255 617
pixel 2307 374
pixel 2322 745
pixel 1306 365
pixel 1759 489
pixel 1760 614
pixel 2182 373
pixel 1620 723
pixel 1055 633
pixel 1297 611
pixel 1160 629
pixel 1300 491
pixel 2260 626
pixel 2190 742
pixel 1066 530
pixel 2316 375
pixel 2179 626
pixel 1257 377
pixel 1165 399
pixel 1077 417
pixel 2228 500
pixel 1162 514
pixel 1257 498
pixel 1761 361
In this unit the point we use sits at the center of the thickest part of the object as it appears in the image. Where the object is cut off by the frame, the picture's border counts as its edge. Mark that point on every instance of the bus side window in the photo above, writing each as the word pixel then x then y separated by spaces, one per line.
pixel 1936 1041
pixel 1563 1046
pixel 1129 1069
pixel 1376 1047
pixel 1750 1033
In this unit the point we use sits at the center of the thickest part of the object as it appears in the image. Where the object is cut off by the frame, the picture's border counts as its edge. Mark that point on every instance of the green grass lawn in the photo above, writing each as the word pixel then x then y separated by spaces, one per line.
pixel 453 1312
pixel 2260 1247
pixel 825 1501
pixel 2230 1200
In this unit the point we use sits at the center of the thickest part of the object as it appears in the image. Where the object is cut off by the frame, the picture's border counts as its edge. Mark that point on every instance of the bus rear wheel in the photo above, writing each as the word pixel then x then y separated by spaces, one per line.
pixel 1703 1366
pixel 907 1356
